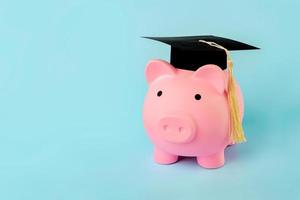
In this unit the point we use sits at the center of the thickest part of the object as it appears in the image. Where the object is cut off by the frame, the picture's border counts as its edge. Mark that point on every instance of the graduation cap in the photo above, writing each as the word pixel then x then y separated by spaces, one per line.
pixel 192 52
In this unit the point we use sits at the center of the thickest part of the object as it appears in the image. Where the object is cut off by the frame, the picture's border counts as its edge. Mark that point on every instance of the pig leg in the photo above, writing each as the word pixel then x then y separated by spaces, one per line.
pixel 214 161
pixel 162 157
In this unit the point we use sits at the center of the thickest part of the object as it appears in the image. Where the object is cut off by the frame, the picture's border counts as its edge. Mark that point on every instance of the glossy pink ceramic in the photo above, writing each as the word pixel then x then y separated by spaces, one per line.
pixel 186 113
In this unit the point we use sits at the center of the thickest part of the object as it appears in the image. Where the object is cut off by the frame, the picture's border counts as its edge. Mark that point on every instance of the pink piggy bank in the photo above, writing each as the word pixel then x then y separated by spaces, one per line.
pixel 186 113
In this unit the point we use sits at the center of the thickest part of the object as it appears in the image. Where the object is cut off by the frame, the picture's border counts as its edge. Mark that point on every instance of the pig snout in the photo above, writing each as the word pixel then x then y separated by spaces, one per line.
pixel 177 129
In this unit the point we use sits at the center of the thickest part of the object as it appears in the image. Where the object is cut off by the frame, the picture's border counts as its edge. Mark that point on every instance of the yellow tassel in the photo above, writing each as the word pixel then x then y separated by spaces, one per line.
pixel 236 127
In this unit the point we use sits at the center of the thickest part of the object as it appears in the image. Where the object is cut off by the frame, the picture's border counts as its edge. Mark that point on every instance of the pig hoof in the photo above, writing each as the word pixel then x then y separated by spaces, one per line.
pixel 211 162
pixel 164 158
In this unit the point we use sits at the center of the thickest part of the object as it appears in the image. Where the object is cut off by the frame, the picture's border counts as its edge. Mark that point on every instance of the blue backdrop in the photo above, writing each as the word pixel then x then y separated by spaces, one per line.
pixel 72 87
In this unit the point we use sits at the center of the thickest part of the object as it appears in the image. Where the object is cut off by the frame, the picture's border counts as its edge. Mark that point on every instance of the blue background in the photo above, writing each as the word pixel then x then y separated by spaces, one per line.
pixel 72 87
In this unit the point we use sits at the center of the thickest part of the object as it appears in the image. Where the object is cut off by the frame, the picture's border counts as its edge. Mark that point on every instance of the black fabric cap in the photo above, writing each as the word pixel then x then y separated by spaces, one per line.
pixel 189 53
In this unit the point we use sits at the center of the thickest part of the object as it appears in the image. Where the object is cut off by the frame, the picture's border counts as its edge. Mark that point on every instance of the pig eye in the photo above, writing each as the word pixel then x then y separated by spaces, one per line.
pixel 197 97
pixel 159 93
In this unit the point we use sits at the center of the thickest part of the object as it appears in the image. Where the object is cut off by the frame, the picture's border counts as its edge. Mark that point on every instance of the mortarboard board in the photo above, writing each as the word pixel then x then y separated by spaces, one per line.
pixel 192 52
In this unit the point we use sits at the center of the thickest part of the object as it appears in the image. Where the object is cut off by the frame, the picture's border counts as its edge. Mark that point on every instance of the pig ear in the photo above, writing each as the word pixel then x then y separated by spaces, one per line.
pixel 213 75
pixel 158 68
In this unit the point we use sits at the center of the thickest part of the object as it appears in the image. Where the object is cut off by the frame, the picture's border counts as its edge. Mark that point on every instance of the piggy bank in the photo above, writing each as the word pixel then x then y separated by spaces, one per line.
pixel 186 113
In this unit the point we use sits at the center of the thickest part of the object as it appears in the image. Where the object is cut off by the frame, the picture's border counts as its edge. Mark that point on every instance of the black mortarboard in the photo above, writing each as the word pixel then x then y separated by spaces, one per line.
pixel 192 52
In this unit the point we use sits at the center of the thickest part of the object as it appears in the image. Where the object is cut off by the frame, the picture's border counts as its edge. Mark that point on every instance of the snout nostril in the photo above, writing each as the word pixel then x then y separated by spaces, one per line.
pixel 165 127
pixel 180 129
